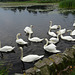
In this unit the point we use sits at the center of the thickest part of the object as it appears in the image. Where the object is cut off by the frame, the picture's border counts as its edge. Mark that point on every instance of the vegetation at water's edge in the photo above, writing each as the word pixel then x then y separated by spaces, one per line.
pixel 32 1
pixel 67 4
pixel 3 71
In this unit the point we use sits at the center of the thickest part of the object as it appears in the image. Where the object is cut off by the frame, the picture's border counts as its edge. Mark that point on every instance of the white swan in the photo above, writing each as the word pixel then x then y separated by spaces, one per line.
pixel 68 38
pixel 51 47
pixel 72 32
pixel 28 29
pixel 74 23
pixel 61 31
pixel 51 33
pixel 54 26
pixel 29 58
pixel 6 48
pixel 54 39
pixel 34 39
pixel 20 41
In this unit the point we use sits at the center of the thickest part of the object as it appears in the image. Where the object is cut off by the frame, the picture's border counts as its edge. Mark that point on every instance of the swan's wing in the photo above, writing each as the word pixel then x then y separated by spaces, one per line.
pixel 54 27
pixel 21 41
pixel 73 32
pixel 6 48
pixel 30 58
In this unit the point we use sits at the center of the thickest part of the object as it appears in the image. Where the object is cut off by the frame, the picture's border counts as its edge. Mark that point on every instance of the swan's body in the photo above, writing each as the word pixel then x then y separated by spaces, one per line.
pixel 50 48
pixel 68 38
pixel 28 29
pixel 72 32
pixel 29 58
pixel 20 41
pixel 54 26
pixel 74 24
pixel 54 40
pixel 34 39
pixel 61 31
pixel 6 49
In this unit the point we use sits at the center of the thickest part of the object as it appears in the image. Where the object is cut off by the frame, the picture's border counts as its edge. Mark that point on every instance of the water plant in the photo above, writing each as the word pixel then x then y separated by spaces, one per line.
pixel 67 4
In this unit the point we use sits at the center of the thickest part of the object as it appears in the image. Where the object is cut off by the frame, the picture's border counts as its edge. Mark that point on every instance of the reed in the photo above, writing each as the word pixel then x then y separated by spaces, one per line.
pixel 67 4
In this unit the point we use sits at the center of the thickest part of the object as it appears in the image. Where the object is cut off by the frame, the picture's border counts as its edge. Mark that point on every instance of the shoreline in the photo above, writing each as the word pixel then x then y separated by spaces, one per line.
pixel 14 4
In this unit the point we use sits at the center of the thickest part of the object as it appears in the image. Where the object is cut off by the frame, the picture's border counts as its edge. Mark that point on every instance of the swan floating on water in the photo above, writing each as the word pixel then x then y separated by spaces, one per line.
pixel 34 39
pixel 74 23
pixel 20 41
pixel 61 31
pixel 51 47
pixel 72 32
pixel 68 38
pixel 28 29
pixel 6 48
pixel 54 26
pixel 51 33
pixel 29 58
pixel 54 39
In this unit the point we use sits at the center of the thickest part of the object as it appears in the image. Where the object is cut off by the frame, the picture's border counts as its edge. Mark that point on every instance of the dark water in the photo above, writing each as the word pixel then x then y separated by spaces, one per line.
pixel 14 20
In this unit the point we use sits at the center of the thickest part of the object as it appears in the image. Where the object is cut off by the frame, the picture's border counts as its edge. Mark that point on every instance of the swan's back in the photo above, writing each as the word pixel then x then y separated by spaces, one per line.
pixel 6 48
pixel 21 41
pixel 31 58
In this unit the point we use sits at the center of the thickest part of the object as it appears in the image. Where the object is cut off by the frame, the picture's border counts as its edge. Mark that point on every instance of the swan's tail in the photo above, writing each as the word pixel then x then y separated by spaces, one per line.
pixel 56 51
pixel 41 56
pixel 13 47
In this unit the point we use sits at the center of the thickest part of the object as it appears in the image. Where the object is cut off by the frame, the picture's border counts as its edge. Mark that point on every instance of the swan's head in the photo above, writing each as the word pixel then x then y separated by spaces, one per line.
pixel 50 21
pixel 46 39
pixel 19 34
pixel 21 48
pixel 31 26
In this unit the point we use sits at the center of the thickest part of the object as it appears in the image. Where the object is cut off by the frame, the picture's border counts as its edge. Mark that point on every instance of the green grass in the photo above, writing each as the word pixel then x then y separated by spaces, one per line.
pixel 3 71
pixel 67 4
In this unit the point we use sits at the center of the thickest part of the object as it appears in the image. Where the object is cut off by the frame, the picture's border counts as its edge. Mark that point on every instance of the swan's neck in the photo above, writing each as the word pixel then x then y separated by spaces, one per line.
pixel 49 29
pixel 46 43
pixel 21 53
pixel 62 36
pixel 57 36
pixel 60 27
pixel 31 27
pixel 50 23
pixel 17 36
pixel 29 36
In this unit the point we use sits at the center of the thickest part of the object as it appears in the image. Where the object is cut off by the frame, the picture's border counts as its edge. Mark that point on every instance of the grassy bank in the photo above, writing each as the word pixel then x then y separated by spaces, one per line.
pixel 67 4
pixel 32 1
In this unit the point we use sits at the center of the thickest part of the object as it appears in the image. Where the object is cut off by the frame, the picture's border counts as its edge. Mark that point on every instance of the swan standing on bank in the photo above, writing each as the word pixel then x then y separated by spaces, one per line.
pixel 54 26
pixel 20 41
pixel 61 31
pixel 72 32
pixel 34 39
pixel 29 58
pixel 28 29
pixel 51 47
pixel 6 48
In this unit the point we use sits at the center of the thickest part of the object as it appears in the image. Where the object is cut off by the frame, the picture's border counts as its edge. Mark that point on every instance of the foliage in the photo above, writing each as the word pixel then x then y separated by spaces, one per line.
pixel 3 71
pixel 67 4
pixel 34 1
